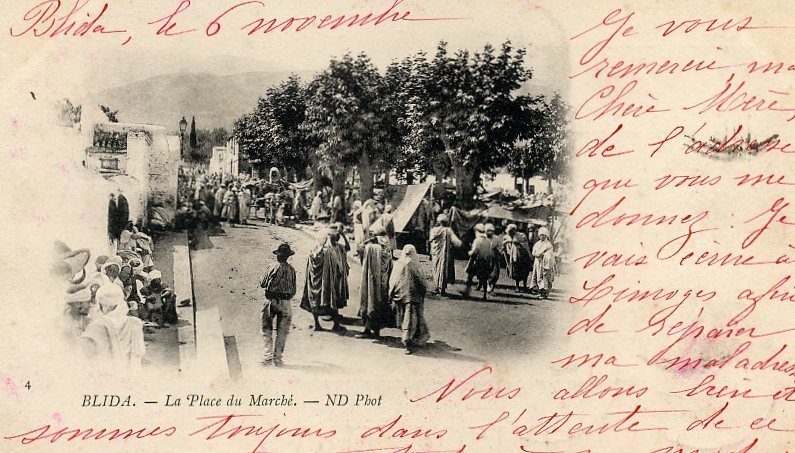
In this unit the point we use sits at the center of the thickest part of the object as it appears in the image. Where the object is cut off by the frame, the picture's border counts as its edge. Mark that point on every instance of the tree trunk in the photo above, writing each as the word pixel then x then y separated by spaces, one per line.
pixel 338 180
pixel 365 169
pixel 438 174
pixel 316 173
pixel 466 179
pixel 549 182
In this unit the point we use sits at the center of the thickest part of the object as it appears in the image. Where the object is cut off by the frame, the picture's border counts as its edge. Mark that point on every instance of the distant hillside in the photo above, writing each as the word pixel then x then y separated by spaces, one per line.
pixel 215 100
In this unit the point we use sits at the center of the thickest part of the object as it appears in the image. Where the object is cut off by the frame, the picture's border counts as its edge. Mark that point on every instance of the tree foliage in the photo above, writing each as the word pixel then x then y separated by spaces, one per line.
pixel 462 108
pixel 397 79
pixel 68 113
pixel 349 117
pixel 456 113
pixel 206 140
pixel 111 114
pixel 547 150
pixel 271 134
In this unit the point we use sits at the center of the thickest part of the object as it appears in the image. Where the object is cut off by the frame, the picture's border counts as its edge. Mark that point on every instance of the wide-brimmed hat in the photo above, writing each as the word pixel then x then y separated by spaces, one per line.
pixel 83 292
pixel 489 227
pixel 480 228
pixel 284 250
pixel 115 259
pixel 68 262
pixel 543 231
pixel 511 227
pixel 101 260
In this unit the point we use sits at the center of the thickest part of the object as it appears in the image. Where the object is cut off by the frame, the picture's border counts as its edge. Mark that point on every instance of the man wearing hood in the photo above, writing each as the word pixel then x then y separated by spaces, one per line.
pixel 122 213
pixel 494 274
pixel 442 240
pixel 407 290
pixel 244 202
pixel 218 203
pixel 113 235
pixel 114 339
pixel 374 307
pixel 387 222
pixel 480 261
pixel 516 251
pixel 110 271
pixel 326 285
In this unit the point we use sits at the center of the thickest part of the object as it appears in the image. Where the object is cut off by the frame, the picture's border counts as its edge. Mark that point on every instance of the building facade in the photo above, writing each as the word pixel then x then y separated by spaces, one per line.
pixel 142 152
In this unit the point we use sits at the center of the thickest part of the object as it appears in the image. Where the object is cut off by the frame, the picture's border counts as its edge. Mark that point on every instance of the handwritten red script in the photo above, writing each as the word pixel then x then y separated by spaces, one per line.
pixel 84 18
pixel 670 330
pixel 684 224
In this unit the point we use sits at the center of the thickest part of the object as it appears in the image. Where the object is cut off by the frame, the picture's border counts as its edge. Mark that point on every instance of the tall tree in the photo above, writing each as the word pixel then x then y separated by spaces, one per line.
pixel 206 140
pixel 462 108
pixel 193 142
pixel 68 113
pixel 547 150
pixel 346 115
pixel 111 114
pixel 394 93
pixel 271 134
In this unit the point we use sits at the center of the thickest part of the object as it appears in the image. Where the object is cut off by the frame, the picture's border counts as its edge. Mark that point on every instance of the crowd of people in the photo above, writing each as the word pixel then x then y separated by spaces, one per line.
pixel 111 302
pixel 109 306
pixel 393 288
pixel 392 292
pixel 234 200
pixel 490 252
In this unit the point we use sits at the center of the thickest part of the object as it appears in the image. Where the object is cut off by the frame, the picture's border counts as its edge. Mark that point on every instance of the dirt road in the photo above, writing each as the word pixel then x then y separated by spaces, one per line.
pixel 227 275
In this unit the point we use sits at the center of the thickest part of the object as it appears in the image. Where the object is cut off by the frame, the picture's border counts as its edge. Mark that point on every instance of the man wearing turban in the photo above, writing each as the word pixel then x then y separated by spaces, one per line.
pixel 543 273
pixel 442 240
pixel 326 285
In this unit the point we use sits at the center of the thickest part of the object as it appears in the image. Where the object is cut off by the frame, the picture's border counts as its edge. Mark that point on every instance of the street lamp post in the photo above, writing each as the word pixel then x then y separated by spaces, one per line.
pixel 183 124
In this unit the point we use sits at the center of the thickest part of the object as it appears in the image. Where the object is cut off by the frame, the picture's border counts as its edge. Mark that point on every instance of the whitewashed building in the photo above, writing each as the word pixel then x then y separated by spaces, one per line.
pixel 142 152
pixel 218 161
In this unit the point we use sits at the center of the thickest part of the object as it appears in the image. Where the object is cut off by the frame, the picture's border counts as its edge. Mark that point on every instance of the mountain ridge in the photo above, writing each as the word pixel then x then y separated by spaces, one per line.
pixel 214 100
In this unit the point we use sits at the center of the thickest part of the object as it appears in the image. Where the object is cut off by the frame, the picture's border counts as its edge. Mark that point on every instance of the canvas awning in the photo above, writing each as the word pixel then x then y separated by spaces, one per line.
pixel 533 216
pixel 408 204
pixel 462 221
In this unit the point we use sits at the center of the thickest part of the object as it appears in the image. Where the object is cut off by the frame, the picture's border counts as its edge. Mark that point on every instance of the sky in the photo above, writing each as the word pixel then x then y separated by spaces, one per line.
pixel 95 63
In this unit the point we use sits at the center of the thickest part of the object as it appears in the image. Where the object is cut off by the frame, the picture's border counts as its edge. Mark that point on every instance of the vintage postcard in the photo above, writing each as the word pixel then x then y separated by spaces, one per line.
pixel 397 226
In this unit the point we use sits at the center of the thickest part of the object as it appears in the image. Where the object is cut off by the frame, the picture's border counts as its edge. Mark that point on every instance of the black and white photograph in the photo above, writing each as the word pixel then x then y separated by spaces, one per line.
pixel 381 203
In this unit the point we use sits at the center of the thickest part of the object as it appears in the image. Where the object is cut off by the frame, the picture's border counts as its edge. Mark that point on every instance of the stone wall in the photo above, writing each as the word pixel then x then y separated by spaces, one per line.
pixel 151 159
pixel 163 171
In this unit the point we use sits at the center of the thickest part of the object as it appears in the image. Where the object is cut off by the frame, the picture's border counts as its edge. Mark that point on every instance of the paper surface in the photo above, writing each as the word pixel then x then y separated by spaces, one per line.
pixel 670 331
